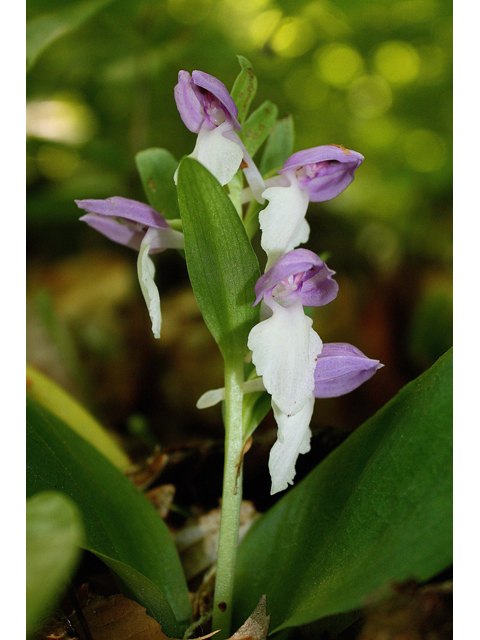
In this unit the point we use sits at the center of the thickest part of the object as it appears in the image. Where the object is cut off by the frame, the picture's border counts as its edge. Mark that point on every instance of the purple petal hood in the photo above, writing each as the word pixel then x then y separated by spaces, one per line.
pixel 195 94
pixel 312 279
pixel 325 171
pixel 341 368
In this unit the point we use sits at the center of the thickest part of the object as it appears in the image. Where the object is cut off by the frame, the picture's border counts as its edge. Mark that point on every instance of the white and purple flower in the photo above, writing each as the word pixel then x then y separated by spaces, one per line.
pixel 312 175
pixel 294 366
pixel 284 346
pixel 207 108
pixel 136 225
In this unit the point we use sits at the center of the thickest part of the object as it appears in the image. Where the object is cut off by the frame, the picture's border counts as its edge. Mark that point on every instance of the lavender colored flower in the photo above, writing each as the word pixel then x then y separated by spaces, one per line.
pixel 341 368
pixel 312 175
pixel 284 346
pixel 324 171
pixel 136 225
pixel 207 108
pixel 203 101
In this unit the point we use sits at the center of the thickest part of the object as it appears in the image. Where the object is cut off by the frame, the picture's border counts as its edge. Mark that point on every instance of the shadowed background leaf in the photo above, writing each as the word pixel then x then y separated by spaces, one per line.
pixel 54 536
pixel 119 522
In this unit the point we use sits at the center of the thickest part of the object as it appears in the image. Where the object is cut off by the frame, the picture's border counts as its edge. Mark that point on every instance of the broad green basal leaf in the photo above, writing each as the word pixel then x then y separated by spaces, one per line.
pixel 54 535
pixel 221 262
pixel 59 402
pixel 156 168
pixel 119 521
pixel 377 510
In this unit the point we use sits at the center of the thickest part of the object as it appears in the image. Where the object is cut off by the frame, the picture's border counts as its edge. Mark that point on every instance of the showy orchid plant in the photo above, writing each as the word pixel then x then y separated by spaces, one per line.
pixel 291 363
pixel 373 512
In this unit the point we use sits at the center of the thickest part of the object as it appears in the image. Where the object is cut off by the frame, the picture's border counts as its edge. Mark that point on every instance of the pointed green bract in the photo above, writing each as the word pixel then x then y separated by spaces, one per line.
pixel 54 535
pixel 222 265
pixel 375 511
pixel 119 521
pixel 156 168
pixel 257 128
pixel 256 405
pixel 244 88
pixel 279 146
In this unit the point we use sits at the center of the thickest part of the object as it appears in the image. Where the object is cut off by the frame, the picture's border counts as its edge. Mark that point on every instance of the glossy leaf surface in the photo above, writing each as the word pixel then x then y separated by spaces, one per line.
pixel 377 510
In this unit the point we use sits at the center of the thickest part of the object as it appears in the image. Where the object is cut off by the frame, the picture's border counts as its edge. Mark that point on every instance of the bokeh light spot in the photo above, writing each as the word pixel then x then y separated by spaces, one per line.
pixel 338 64
pixel 369 97
pixel 398 62
pixel 60 120
pixel 262 27
pixel 293 38
pixel 425 150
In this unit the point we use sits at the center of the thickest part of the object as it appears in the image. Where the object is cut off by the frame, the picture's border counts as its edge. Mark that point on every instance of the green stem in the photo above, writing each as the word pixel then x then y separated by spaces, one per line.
pixel 231 500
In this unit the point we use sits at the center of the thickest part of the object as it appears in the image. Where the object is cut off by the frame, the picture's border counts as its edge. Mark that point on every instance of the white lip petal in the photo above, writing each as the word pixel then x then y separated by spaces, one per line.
pixel 293 438
pixel 221 156
pixel 284 351
pixel 146 274
pixel 283 221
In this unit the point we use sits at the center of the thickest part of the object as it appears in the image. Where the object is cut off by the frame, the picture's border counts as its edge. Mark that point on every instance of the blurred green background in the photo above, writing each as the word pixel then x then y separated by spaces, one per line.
pixel 373 76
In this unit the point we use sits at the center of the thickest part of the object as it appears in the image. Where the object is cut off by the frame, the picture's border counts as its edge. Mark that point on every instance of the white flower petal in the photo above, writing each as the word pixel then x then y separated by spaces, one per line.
pixel 169 239
pixel 284 351
pixel 283 221
pixel 218 154
pixel 146 273
pixel 211 398
pixel 214 396
pixel 250 170
pixel 293 438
